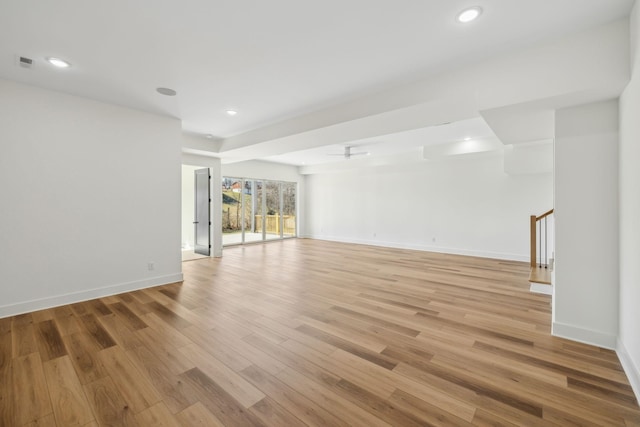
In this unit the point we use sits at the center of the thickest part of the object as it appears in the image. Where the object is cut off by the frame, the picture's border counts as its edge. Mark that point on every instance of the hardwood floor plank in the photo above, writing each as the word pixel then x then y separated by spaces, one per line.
pixel 175 394
pixel 344 344
pixel 218 401
pixel 135 387
pixel 119 332
pixel 30 393
pixel 197 415
pixel 208 341
pixel 377 321
pixel 70 405
pixel 99 307
pixel 127 316
pixel 272 414
pixel 97 331
pixel 308 332
pixel 484 418
pixel 83 353
pixel 7 398
pixel 429 414
pixel 163 350
pixel 108 405
pixel 166 332
pixel 66 320
pixel 301 407
pixel 241 390
pixel 49 340
pixel 292 360
pixel 168 316
pixel 375 405
pixel 46 421
pixel 325 397
pixel 359 372
pixel 158 416
pixel 23 335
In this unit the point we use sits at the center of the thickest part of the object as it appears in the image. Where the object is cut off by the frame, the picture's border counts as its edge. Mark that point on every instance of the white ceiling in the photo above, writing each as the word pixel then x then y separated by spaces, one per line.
pixel 401 142
pixel 271 60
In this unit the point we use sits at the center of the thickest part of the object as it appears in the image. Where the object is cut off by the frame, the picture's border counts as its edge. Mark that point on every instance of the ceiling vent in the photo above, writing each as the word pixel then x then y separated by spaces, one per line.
pixel 24 62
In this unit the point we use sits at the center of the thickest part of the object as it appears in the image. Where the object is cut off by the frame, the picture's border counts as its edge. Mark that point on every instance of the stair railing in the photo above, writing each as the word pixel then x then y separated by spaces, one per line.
pixel 538 226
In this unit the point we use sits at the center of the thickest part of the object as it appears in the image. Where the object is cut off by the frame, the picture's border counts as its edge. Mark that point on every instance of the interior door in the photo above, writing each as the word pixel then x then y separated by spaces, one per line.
pixel 201 220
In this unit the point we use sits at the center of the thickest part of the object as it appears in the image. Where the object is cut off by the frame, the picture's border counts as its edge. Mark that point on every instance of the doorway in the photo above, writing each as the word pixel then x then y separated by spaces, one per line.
pixel 192 241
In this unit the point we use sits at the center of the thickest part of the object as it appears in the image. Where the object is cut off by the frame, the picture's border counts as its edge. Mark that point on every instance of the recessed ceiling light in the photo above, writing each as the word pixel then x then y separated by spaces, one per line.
pixel 57 62
pixel 467 139
pixel 469 14
pixel 166 91
pixel 232 112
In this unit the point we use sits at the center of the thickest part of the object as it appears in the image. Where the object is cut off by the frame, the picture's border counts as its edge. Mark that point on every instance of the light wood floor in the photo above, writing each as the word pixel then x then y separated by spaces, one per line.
pixel 309 332
pixel 540 275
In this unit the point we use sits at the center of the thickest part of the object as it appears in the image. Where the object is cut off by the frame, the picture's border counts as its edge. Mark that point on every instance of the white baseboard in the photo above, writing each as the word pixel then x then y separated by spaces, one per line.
pixel 426 248
pixel 585 336
pixel 73 297
pixel 630 368
pixel 541 288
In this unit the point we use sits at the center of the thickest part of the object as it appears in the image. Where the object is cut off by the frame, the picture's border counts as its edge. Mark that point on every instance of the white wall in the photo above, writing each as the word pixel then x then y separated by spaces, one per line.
pixel 629 337
pixel 586 214
pixel 257 169
pixel 90 195
pixel 463 204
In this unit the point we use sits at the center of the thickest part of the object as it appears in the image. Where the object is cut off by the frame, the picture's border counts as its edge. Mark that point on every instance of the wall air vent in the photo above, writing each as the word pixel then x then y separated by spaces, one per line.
pixel 25 62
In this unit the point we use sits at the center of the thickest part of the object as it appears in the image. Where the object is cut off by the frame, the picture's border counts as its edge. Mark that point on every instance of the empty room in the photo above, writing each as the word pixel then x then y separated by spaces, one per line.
pixel 287 213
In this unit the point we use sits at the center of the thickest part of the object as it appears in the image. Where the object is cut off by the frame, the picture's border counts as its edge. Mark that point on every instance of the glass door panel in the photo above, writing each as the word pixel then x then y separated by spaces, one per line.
pixel 289 209
pixel 253 211
pixel 272 207
pixel 231 211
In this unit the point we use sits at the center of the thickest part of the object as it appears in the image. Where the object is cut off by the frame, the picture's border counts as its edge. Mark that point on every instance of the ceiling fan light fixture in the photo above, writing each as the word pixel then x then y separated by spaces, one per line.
pixel 348 153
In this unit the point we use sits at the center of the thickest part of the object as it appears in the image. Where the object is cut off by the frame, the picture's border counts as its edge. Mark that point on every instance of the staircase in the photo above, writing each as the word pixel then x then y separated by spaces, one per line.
pixel 541 257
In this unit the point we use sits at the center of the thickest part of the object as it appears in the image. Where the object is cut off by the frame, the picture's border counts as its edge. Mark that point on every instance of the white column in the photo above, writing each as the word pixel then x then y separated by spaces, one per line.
pixel 586 223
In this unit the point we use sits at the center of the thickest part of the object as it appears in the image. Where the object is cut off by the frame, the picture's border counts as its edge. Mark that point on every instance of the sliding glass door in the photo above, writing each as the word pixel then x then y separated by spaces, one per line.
pixel 256 210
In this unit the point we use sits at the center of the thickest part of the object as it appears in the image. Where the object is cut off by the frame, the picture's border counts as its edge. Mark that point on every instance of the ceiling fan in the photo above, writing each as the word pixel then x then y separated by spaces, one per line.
pixel 348 153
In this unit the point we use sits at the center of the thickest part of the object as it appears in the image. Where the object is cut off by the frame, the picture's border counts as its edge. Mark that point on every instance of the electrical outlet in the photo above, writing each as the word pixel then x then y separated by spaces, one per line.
pixel 151 265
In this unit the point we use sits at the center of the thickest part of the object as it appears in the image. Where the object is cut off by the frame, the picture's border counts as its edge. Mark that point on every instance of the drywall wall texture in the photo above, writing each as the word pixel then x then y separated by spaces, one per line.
pixel 629 334
pixel 586 214
pixel 463 204
pixel 262 170
pixel 90 199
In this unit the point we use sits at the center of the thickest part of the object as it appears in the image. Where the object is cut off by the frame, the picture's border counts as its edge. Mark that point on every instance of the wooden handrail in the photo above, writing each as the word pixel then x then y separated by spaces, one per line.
pixel 532 230
pixel 538 218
